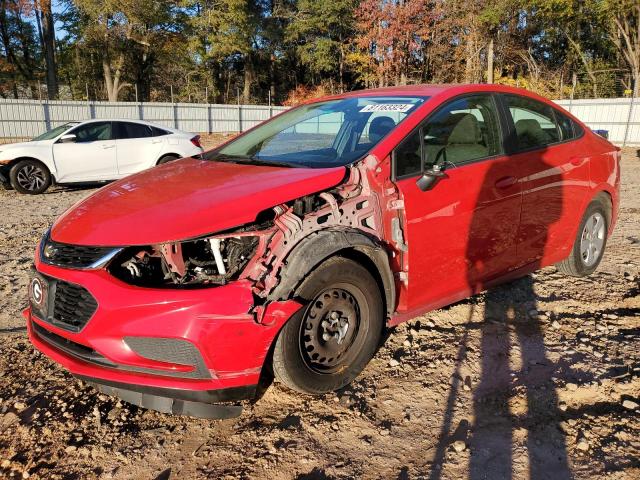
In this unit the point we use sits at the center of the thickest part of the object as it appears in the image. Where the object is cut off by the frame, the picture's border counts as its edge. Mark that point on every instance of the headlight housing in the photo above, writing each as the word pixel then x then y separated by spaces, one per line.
pixel 206 261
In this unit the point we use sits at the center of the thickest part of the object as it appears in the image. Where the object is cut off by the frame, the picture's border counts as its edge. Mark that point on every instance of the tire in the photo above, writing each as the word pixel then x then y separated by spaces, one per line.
pixel 30 177
pixel 590 243
pixel 167 159
pixel 314 352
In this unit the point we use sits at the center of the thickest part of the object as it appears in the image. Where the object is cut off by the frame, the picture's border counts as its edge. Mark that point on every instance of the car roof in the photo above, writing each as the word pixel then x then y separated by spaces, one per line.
pixel 426 90
pixel 431 90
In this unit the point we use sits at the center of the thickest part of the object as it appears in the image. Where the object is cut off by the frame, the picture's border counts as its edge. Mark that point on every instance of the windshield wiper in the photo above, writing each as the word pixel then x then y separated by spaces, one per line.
pixel 247 160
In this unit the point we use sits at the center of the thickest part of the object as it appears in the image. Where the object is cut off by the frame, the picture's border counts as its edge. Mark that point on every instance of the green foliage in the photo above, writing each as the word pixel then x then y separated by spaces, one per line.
pixel 219 50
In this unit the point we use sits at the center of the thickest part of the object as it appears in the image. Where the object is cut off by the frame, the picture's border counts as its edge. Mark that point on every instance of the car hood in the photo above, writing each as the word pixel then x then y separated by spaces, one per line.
pixel 185 199
pixel 11 146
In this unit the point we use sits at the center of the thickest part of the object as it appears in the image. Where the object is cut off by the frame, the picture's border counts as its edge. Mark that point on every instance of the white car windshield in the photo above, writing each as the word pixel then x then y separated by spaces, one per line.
pixel 322 134
pixel 53 133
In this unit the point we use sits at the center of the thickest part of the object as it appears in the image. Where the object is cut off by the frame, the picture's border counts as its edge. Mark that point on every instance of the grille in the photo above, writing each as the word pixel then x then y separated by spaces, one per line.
pixel 73 306
pixel 74 256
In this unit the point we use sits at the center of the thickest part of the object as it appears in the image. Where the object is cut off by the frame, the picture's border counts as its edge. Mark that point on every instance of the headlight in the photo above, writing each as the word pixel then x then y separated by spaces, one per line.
pixel 206 261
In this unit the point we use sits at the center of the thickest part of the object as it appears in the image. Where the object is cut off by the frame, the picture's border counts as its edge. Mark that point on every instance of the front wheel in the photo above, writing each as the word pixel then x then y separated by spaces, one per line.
pixel 589 244
pixel 30 177
pixel 330 341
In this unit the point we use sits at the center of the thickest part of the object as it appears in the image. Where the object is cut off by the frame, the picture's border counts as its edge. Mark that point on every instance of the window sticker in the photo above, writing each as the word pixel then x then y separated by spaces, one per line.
pixel 387 107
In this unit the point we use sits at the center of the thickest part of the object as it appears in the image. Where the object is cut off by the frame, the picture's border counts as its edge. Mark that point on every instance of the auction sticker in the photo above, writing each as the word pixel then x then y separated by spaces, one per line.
pixel 387 107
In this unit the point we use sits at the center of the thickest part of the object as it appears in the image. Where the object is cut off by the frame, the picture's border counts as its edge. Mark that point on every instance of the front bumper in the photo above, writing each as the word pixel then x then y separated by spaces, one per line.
pixel 227 342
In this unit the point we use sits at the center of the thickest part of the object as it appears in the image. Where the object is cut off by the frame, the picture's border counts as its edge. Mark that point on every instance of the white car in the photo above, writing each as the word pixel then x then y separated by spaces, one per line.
pixel 91 151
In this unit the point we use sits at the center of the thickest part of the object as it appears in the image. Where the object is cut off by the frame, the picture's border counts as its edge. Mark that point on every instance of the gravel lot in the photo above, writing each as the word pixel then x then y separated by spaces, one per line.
pixel 537 379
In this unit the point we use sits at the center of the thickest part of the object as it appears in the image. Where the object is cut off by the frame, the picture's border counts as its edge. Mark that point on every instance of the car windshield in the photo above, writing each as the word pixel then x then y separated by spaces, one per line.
pixel 54 132
pixel 323 134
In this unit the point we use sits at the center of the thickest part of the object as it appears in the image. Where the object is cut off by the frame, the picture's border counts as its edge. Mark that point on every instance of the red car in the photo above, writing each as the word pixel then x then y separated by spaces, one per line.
pixel 289 249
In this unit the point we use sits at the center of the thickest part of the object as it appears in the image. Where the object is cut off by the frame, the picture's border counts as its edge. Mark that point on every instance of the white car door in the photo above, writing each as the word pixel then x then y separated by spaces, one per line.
pixel 136 146
pixel 91 157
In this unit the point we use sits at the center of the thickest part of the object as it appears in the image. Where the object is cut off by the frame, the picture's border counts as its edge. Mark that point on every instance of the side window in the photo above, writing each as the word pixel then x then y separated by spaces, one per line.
pixel 93 132
pixel 133 130
pixel 407 155
pixel 534 122
pixel 464 130
pixel 158 132
pixel 568 128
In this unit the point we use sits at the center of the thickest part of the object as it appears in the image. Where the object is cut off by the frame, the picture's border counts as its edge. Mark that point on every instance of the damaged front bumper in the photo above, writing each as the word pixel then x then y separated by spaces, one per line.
pixel 173 350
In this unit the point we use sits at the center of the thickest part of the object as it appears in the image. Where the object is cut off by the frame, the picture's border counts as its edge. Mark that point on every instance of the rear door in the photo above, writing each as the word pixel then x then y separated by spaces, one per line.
pixel 555 176
pixel 137 147
pixel 463 231
pixel 91 157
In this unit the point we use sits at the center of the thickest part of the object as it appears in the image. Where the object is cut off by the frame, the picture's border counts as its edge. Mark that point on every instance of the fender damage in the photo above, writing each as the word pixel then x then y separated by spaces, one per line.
pixel 286 242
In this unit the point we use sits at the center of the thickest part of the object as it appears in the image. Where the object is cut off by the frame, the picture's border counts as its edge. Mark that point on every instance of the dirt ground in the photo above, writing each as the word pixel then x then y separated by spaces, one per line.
pixel 539 378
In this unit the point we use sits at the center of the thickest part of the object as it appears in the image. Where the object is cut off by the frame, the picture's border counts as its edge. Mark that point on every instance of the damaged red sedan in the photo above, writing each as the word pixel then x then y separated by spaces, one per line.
pixel 288 250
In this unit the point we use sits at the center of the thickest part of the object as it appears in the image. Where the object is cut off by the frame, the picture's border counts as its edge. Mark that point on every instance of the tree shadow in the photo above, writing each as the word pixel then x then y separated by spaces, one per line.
pixel 510 325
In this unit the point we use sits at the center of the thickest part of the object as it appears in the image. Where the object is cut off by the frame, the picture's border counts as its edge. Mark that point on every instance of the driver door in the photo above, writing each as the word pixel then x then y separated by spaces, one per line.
pixel 91 157
pixel 461 233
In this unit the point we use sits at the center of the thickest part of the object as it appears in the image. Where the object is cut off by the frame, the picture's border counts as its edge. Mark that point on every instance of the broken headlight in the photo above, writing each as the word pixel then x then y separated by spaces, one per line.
pixel 206 261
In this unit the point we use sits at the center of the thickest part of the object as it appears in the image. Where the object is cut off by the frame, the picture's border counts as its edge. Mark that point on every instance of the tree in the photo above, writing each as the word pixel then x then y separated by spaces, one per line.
pixel 113 27
pixel 45 23
pixel 390 34
pixel 231 32
pixel 19 45
pixel 623 21
pixel 322 31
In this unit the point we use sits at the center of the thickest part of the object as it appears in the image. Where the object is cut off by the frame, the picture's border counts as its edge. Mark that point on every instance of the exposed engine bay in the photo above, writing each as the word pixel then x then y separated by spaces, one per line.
pixel 258 252
pixel 205 261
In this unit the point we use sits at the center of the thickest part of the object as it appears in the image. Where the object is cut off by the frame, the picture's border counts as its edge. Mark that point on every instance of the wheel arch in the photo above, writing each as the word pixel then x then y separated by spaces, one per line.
pixel 16 160
pixel 349 243
pixel 26 157
pixel 606 199
pixel 168 154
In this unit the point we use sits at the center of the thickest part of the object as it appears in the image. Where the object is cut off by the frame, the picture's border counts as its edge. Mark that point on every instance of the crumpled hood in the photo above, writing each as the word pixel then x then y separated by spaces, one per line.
pixel 185 199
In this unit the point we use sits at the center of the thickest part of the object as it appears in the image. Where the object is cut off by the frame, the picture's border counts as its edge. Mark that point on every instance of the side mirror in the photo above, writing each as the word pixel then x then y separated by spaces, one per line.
pixel 68 138
pixel 430 178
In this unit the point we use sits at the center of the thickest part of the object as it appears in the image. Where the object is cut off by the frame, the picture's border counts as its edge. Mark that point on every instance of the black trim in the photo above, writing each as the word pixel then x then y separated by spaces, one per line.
pixel 70 348
pixel 232 394
pixel 166 404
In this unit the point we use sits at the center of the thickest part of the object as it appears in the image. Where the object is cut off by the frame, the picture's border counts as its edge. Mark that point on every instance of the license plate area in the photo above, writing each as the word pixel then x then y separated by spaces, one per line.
pixel 41 293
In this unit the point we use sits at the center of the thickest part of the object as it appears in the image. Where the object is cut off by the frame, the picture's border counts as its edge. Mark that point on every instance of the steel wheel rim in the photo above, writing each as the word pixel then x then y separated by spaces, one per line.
pixel 31 177
pixel 330 332
pixel 592 239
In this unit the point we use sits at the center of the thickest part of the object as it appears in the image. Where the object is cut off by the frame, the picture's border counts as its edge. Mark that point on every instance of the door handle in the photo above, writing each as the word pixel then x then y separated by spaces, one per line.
pixel 506 182
pixel 107 146
pixel 577 161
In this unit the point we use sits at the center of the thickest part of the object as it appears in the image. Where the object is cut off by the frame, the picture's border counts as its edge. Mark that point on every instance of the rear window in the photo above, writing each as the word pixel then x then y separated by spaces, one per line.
pixel 133 130
pixel 157 132
pixel 535 122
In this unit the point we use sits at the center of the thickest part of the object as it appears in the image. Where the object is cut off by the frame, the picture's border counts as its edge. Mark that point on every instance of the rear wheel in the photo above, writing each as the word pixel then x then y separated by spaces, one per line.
pixel 30 177
pixel 330 341
pixel 589 244
pixel 168 158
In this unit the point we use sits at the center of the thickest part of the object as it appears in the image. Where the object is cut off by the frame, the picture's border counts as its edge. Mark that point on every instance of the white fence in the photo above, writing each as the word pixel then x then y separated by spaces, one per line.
pixel 29 118
pixel 619 116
